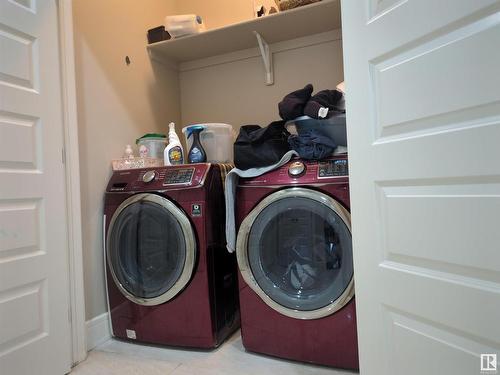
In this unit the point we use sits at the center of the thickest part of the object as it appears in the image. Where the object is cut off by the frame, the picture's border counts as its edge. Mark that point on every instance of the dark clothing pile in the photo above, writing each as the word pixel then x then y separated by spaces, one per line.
pixel 324 104
pixel 312 145
pixel 259 147
pixel 293 104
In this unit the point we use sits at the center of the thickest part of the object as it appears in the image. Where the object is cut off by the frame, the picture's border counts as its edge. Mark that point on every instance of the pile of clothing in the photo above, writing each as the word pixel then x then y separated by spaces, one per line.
pixel 258 147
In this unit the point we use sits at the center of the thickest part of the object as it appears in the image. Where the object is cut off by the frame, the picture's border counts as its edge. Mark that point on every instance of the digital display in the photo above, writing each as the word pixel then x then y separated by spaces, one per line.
pixel 178 176
pixel 333 168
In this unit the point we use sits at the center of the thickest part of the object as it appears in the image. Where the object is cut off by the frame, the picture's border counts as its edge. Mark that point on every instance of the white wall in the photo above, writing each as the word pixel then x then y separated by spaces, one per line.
pixel 116 104
pixel 235 92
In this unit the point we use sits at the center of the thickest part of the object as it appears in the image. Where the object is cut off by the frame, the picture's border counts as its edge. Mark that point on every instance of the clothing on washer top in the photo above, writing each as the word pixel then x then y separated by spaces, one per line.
pixel 292 105
pixel 324 104
pixel 260 147
pixel 230 191
pixel 312 145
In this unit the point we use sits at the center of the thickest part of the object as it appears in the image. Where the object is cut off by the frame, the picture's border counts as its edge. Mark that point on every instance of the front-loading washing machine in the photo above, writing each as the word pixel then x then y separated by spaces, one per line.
pixel 169 279
pixel 294 253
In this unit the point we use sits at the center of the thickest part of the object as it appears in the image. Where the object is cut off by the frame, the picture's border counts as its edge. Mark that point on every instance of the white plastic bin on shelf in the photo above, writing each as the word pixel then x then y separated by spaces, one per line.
pixel 217 141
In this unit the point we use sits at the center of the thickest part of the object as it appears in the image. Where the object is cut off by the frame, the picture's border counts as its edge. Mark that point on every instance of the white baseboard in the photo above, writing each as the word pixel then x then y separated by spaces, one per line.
pixel 98 331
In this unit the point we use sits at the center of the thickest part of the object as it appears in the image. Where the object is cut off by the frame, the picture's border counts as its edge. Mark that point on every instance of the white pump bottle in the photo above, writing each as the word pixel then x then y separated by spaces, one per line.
pixel 173 154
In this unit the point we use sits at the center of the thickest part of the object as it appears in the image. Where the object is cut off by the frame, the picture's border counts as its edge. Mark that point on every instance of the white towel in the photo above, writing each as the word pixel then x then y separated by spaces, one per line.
pixel 231 183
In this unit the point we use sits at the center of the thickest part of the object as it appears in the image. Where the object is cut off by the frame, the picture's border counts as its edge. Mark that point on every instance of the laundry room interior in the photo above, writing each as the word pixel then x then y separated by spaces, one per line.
pixel 133 89
pixel 249 187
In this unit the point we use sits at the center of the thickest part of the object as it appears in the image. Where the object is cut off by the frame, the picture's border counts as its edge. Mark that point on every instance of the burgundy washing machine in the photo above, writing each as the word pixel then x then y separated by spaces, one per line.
pixel 294 253
pixel 170 280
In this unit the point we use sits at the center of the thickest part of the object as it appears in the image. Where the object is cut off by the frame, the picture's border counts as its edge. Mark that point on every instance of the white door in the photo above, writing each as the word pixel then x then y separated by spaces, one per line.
pixel 34 320
pixel 423 102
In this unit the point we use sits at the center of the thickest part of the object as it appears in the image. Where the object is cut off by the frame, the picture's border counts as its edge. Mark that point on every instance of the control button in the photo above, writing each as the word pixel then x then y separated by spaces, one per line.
pixel 296 169
pixel 149 176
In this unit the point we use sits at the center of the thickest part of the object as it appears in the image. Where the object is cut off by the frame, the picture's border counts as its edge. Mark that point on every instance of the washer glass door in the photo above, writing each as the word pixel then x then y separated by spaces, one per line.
pixel 150 249
pixel 295 251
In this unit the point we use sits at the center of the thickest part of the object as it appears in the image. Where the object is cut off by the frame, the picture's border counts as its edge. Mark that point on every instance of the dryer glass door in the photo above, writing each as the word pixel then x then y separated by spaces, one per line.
pixel 150 249
pixel 295 251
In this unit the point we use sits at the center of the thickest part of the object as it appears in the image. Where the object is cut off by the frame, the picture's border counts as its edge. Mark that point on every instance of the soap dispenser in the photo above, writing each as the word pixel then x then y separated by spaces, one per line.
pixel 129 153
pixel 197 153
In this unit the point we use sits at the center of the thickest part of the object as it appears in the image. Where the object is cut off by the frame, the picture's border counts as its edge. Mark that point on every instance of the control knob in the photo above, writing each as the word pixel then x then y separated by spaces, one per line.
pixel 149 176
pixel 296 169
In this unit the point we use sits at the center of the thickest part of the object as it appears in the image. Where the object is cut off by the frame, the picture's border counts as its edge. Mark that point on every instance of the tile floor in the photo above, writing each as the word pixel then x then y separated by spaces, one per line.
pixel 122 358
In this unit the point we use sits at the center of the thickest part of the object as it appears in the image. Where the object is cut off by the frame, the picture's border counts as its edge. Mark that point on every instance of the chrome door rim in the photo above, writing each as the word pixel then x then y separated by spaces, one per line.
pixel 189 239
pixel 244 265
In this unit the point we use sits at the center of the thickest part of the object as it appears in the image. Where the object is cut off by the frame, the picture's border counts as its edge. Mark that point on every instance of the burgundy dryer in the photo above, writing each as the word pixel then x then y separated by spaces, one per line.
pixel 294 253
pixel 170 280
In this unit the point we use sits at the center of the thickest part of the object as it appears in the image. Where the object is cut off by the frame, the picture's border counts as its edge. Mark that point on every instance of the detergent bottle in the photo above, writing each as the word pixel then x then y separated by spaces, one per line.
pixel 196 154
pixel 173 154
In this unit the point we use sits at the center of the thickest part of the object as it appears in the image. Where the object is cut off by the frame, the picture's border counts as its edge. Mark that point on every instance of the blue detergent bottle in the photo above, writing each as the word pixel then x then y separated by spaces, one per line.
pixel 197 153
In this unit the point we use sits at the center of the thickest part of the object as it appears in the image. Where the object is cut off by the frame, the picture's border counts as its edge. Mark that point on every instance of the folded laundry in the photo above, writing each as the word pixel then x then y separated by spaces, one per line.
pixel 312 145
pixel 324 103
pixel 292 105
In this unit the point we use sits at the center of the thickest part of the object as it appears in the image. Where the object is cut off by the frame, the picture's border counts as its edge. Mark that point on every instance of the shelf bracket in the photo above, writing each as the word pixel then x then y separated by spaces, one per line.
pixel 267 58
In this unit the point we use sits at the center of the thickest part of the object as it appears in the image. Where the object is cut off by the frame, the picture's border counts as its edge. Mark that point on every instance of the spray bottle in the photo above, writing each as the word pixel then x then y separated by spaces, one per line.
pixel 196 154
pixel 173 154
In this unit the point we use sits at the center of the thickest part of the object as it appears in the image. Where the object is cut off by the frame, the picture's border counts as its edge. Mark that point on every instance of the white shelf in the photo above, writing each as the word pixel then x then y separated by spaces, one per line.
pixel 295 23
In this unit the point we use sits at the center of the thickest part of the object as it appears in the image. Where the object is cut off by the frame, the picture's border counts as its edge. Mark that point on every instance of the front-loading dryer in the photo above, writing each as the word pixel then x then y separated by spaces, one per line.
pixel 294 254
pixel 169 279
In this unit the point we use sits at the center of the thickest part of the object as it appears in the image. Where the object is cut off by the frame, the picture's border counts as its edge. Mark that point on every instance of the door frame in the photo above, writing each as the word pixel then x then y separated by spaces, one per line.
pixel 70 155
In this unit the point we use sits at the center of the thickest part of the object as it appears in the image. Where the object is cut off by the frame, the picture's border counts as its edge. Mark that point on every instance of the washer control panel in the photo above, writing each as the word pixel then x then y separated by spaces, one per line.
pixel 333 168
pixel 304 172
pixel 159 178
pixel 178 176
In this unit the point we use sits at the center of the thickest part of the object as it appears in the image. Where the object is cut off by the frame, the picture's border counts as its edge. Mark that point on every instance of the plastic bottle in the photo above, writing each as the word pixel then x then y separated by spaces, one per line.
pixel 129 153
pixel 197 153
pixel 173 154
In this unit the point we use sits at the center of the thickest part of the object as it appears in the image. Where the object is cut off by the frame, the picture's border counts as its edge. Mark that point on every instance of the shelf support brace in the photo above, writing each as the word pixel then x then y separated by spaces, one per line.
pixel 267 58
